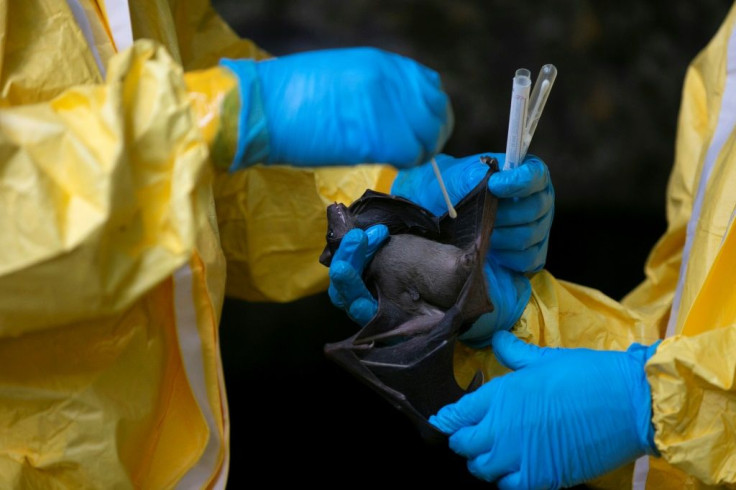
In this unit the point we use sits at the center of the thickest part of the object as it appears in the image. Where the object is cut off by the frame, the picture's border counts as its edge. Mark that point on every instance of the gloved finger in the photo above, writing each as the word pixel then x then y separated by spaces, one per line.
pixel 336 298
pixel 460 180
pixel 434 97
pixel 445 131
pixel 429 86
pixel 525 209
pixel 424 102
pixel 353 249
pixel 346 284
pixel 475 440
pixel 521 237
pixel 514 353
pixel 469 410
pixel 427 110
pixel 526 179
pixel 376 236
pixel 494 464
pixel 396 141
pixel 530 260
pixel 512 481
pixel 362 310
pixel 470 441
pixel 432 92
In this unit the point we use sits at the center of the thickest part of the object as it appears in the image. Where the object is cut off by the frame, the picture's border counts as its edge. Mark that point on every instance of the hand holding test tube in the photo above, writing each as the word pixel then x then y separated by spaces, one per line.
pixel 526 111
pixel 523 118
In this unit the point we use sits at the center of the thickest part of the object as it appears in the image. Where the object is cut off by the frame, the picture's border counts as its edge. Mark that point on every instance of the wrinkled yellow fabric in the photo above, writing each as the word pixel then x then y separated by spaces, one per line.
pixel 271 242
pixel 216 104
pixel 101 204
pixel 693 373
pixel 113 203
pixel 112 274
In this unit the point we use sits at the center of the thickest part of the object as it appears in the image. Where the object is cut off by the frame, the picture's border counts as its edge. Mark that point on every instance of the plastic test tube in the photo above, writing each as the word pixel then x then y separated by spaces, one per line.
pixel 539 96
pixel 517 117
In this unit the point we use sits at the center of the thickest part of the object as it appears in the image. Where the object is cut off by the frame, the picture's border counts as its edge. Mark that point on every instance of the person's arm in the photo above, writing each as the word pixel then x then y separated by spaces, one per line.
pixel 561 417
pixel 690 378
pixel 300 114
pixel 690 385
pixel 693 383
pixel 256 203
pixel 100 193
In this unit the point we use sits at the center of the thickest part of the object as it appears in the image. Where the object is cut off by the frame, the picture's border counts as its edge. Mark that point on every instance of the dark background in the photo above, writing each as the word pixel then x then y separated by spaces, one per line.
pixel 607 135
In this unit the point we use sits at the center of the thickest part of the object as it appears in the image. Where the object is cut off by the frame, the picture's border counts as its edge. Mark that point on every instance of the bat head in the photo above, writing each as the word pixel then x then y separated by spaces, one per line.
pixel 339 222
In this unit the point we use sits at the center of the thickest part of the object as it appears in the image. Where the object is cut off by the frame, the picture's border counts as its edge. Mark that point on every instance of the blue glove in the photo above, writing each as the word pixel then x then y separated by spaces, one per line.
pixel 562 417
pixel 509 292
pixel 338 107
pixel 525 207
pixel 347 290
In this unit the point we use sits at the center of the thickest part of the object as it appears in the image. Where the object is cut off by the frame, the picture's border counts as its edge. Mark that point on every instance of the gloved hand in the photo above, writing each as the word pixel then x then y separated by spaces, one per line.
pixel 525 206
pixel 518 244
pixel 563 416
pixel 347 290
pixel 341 106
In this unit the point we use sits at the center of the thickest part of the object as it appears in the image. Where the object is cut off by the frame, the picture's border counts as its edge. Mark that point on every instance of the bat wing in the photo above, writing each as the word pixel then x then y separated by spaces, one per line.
pixel 398 214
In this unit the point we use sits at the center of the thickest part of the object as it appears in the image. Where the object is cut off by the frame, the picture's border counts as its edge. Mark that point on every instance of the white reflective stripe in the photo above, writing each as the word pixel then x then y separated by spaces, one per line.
pixel 641 470
pixel 221 481
pixel 726 122
pixel 728 227
pixel 190 346
pixel 118 16
pixel 83 23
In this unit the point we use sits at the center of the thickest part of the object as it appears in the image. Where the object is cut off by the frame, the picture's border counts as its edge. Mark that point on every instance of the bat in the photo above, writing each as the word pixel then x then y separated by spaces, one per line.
pixel 430 286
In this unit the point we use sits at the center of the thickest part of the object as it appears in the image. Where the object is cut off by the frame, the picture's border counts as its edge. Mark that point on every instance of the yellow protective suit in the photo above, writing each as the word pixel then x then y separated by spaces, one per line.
pixel 688 297
pixel 115 227
pixel 114 252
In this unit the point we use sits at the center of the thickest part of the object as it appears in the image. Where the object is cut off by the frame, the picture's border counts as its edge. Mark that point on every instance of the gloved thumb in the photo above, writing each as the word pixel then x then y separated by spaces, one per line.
pixel 514 353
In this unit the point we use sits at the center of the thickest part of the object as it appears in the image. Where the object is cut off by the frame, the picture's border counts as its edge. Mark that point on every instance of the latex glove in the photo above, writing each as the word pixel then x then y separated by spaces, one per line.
pixel 562 417
pixel 341 106
pixel 509 292
pixel 347 290
pixel 525 207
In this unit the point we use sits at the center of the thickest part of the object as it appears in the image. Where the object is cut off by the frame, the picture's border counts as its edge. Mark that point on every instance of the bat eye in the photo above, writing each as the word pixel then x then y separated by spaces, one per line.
pixel 330 234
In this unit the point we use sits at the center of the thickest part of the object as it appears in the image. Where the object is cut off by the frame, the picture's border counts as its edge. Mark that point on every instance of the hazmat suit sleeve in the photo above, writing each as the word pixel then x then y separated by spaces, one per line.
pixel 103 179
pixel 194 33
pixel 693 373
pixel 272 219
